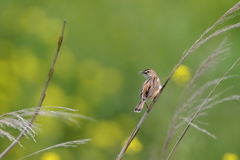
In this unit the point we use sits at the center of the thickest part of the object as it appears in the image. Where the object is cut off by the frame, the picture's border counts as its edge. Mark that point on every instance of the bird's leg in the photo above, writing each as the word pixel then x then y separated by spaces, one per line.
pixel 147 106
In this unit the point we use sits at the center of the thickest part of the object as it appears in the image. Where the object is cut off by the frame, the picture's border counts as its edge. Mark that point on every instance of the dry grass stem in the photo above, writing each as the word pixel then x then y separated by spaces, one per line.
pixel 65 144
pixel 229 98
pixel 17 119
pixel 200 108
pixel 8 135
pixel 63 113
pixel 210 62
pixel 200 129
pixel 28 126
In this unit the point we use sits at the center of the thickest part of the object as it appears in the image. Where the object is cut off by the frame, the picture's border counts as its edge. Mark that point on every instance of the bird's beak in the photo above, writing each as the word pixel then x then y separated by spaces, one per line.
pixel 140 72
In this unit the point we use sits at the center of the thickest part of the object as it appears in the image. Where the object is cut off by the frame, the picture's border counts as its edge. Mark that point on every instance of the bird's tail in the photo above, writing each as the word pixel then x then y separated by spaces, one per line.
pixel 139 107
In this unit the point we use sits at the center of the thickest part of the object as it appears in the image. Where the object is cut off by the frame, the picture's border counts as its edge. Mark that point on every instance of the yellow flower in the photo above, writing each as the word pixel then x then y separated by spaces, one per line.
pixel 182 75
pixel 230 156
pixel 50 156
pixel 135 146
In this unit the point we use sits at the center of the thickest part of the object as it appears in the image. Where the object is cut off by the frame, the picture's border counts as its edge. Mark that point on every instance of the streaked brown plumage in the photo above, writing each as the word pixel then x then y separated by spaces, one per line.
pixel 150 88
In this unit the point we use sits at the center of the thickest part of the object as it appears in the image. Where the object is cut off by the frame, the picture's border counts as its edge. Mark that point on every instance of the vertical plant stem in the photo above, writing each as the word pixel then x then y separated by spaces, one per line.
pixel 134 133
pixel 137 128
pixel 41 97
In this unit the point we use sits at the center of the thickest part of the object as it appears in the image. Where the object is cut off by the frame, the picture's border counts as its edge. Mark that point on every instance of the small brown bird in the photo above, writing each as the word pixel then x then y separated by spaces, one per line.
pixel 150 88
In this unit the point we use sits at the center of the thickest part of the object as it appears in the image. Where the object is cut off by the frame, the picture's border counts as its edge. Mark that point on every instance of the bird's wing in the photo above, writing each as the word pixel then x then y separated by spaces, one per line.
pixel 149 88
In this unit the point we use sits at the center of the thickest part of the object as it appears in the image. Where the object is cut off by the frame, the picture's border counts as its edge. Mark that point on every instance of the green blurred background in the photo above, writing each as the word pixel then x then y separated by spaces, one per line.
pixel 106 43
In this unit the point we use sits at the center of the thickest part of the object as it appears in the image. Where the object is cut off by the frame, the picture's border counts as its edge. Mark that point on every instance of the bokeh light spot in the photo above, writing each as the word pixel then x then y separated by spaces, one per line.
pixel 182 75
pixel 106 134
pixel 50 156
pixel 135 146
pixel 230 156
pixel 25 65
pixel 9 86
pixel 55 96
